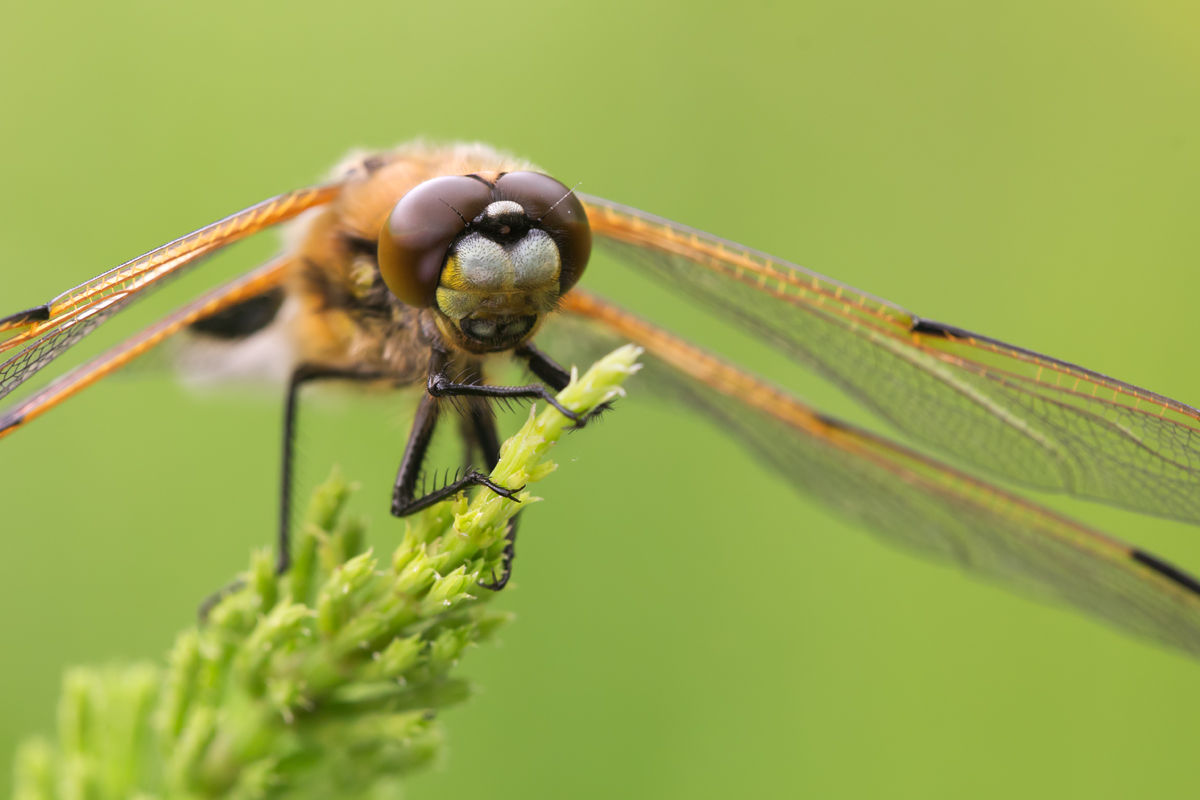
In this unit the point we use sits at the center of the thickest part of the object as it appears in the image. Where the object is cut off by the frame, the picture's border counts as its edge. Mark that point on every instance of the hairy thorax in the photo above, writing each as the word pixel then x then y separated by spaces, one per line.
pixel 345 315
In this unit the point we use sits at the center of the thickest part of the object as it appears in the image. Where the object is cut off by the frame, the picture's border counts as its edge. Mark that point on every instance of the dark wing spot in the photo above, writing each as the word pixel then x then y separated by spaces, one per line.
pixel 319 282
pixel 931 328
pixel 35 314
pixel 242 320
pixel 1167 570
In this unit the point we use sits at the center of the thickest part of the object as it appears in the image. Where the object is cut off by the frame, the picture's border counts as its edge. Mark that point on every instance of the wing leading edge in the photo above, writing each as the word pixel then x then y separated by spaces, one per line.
pixel 1023 416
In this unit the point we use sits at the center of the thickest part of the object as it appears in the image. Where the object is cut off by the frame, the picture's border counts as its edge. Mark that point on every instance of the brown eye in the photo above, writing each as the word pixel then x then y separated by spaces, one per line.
pixel 559 212
pixel 420 230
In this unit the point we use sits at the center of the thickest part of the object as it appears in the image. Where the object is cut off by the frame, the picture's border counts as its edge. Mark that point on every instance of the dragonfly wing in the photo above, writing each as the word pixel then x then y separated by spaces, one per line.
pixel 249 286
pixel 1015 413
pixel 897 493
pixel 31 339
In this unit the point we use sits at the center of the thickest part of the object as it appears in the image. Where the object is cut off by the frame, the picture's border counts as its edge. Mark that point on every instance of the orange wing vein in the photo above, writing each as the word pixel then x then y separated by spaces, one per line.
pixel 247 286
pixel 902 495
pixel 1029 418
pixel 41 334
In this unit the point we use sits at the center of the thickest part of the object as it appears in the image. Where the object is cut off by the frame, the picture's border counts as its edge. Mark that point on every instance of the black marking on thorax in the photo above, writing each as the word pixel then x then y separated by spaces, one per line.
pixel 241 320
pixel 361 245
pixel 337 289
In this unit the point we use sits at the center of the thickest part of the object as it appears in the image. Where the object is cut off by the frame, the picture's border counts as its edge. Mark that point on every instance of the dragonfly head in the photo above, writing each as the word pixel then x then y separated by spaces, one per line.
pixel 490 254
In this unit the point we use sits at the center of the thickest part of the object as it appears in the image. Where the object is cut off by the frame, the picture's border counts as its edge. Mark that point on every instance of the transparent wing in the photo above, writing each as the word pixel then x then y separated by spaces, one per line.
pixel 252 284
pixel 897 493
pixel 1018 414
pixel 31 339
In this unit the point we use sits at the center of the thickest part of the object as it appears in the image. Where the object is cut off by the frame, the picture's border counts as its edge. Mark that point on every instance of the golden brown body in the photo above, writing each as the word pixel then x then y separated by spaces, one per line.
pixel 344 315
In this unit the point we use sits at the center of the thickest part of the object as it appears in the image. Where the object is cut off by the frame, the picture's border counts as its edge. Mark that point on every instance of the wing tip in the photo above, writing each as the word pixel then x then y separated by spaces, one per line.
pixel 1172 573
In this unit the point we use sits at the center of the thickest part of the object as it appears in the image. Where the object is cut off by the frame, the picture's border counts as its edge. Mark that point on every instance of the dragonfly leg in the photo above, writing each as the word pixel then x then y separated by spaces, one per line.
pixel 481 429
pixel 208 603
pixel 404 499
pixel 441 386
pixel 305 373
pixel 544 366
pixel 556 377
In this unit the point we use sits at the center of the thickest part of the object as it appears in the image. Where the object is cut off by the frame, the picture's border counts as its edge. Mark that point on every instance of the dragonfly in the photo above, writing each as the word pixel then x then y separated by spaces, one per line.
pixel 424 266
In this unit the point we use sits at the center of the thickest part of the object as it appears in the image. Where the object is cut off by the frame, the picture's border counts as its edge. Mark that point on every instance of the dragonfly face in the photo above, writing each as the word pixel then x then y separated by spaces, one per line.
pixel 424 264
pixel 491 254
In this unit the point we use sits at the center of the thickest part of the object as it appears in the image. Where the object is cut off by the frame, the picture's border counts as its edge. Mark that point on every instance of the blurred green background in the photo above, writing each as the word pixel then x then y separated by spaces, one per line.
pixel 1025 169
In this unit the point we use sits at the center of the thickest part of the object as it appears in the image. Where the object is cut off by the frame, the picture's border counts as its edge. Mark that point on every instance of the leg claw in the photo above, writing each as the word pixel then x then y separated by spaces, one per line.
pixel 582 421
pixel 508 494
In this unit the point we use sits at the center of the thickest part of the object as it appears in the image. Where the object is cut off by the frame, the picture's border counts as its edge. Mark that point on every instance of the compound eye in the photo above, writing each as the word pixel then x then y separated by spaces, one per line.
pixel 559 212
pixel 418 233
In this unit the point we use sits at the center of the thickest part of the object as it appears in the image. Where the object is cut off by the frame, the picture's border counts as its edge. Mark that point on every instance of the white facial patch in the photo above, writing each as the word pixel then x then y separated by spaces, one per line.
pixel 529 265
pixel 535 261
pixel 502 207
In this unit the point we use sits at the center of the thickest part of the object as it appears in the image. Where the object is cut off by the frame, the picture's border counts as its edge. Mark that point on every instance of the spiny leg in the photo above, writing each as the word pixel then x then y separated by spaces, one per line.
pixel 482 430
pixel 479 431
pixel 441 385
pixel 404 499
pixel 480 427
